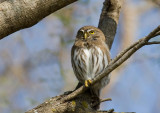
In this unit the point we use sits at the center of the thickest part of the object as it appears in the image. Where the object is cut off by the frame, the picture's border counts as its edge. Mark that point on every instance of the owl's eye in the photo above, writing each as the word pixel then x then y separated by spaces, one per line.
pixel 91 32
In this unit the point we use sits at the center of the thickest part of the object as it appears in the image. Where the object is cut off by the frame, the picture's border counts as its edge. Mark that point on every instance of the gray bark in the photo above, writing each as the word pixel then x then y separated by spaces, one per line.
pixel 19 14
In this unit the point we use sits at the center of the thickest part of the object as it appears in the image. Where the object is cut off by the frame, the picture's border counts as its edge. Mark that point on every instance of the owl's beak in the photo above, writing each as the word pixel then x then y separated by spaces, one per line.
pixel 85 35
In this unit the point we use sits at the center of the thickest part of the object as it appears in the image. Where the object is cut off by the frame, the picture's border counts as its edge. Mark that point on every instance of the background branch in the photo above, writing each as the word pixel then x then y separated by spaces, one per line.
pixel 109 19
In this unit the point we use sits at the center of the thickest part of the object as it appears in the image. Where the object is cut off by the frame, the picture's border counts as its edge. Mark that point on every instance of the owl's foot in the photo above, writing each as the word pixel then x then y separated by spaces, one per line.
pixel 87 83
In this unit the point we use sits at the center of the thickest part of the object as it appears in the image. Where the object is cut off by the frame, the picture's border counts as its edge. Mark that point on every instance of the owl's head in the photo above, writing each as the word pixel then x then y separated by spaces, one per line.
pixel 90 33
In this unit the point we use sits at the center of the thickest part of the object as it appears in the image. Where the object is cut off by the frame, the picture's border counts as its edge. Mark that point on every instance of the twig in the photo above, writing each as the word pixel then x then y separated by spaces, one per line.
pixel 109 111
pixel 123 52
pixel 104 100
pixel 154 42
pixel 158 33
pixel 154 33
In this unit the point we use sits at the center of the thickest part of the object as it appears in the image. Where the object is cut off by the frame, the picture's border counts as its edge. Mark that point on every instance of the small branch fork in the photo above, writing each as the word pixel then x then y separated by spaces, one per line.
pixel 118 60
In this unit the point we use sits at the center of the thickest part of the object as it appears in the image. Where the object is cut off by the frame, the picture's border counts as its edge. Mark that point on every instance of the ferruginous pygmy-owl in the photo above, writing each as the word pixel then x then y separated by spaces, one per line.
pixel 90 56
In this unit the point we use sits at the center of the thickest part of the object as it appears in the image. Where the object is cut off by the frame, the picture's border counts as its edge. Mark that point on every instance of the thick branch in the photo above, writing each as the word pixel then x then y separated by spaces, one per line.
pixel 20 14
pixel 109 19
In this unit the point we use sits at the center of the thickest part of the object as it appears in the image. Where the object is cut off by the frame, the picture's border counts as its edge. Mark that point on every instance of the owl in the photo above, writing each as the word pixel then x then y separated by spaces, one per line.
pixel 90 56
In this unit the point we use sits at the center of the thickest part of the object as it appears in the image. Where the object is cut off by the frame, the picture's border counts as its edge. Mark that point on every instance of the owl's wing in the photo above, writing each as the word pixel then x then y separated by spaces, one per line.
pixel 107 52
pixel 72 56
pixel 72 60
pixel 78 67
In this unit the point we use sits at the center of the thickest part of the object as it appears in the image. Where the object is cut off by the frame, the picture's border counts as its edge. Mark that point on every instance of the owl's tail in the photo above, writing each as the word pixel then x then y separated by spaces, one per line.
pixel 95 92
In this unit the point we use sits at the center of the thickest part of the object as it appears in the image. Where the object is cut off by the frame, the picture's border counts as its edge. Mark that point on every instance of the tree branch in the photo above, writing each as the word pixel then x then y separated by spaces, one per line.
pixel 154 42
pixel 19 14
pixel 128 52
pixel 109 19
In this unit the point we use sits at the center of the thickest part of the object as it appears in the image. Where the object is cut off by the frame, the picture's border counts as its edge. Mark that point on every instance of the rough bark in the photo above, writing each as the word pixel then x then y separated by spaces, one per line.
pixel 80 104
pixel 19 14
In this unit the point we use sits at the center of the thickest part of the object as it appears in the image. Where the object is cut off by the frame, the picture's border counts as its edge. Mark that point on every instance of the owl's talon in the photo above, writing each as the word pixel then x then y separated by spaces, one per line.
pixel 88 83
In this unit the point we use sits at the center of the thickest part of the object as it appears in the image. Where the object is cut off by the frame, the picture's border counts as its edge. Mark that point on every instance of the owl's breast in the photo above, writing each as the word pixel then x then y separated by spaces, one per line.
pixel 90 62
pixel 98 61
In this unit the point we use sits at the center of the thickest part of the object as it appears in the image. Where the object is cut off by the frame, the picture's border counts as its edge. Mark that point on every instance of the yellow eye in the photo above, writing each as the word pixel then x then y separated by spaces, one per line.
pixel 91 32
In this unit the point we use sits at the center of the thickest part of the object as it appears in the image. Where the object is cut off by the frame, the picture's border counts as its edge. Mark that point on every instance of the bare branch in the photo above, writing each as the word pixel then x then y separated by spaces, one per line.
pixel 102 100
pixel 158 33
pixel 123 52
pixel 153 42
pixel 109 19
pixel 107 99
pixel 154 33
